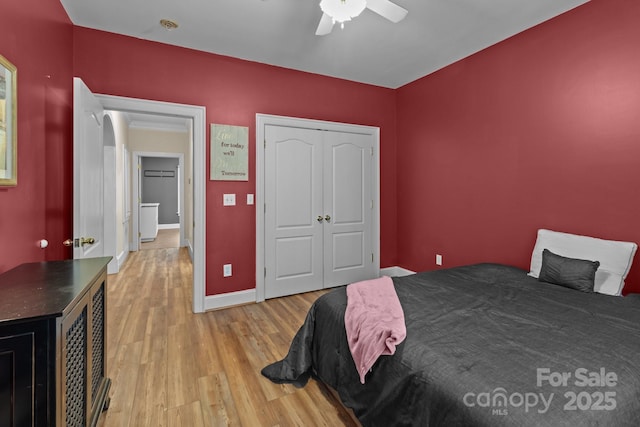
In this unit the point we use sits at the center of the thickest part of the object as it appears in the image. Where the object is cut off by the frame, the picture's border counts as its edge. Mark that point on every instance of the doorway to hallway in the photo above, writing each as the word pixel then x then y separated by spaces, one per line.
pixel 197 225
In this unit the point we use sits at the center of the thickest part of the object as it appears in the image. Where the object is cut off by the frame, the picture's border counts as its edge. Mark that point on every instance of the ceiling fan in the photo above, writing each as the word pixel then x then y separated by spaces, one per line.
pixel 341 11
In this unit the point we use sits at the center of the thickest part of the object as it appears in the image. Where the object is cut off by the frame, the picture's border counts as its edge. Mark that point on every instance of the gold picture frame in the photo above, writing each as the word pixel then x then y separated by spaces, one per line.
pixel 8 123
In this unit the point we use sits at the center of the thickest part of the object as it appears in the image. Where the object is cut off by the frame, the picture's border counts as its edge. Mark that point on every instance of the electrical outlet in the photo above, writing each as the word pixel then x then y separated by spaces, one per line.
pixel 438 259
pixel 249 199
pixel 226 270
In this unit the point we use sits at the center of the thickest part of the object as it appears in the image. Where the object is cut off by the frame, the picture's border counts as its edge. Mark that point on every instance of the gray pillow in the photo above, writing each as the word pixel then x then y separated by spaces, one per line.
pixel 569 272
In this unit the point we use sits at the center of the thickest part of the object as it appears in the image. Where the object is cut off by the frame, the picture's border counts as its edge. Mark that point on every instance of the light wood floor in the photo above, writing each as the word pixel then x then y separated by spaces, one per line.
pixel 171 367
pixel 166 238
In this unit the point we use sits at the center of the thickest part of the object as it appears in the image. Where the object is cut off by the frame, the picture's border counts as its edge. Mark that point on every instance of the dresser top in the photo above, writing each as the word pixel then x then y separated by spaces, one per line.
pixel 46 289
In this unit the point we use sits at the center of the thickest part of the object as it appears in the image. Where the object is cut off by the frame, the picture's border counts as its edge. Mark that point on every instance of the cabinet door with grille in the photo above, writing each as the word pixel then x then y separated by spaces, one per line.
pixel 83 383
pixel 74 379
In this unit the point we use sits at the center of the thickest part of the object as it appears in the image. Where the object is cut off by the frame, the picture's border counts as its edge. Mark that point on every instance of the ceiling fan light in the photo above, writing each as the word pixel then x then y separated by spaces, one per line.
pixel 343 10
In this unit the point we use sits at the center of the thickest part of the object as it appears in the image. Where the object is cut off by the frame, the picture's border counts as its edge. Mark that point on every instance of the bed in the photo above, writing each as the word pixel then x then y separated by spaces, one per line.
pixel 486 345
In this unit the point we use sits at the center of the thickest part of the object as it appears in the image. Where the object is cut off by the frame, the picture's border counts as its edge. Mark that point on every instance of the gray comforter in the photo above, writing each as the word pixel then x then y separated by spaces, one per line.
pixel 486 345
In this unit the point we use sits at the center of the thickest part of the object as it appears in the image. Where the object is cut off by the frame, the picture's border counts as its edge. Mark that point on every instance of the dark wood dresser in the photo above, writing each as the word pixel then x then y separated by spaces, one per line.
pixel 53 343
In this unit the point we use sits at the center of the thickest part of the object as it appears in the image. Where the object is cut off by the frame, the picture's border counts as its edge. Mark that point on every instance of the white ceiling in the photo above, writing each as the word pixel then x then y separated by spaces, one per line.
pixel 369 49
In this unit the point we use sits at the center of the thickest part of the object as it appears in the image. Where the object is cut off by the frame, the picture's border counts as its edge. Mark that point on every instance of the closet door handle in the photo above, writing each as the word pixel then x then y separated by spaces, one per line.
pixel 327 218
pixel 319 218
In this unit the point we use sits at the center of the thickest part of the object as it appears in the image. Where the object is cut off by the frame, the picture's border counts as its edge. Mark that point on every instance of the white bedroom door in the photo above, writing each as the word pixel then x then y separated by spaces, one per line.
pixel 318 213
pixel 88 173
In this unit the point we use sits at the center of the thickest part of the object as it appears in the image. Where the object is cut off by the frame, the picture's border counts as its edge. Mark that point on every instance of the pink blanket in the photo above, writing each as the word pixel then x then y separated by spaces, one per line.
pixel 374 322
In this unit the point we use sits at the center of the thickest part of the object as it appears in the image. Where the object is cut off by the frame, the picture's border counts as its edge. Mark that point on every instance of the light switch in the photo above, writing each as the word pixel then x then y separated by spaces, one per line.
pixel 226 270
pixel 249 199
pixel 228 200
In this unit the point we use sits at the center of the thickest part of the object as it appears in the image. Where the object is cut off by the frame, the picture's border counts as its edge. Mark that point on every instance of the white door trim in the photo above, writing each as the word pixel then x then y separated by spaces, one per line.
pixel 263 120
pixel 137 157
pixel 110 192
pixel 110 226
pixel 198 115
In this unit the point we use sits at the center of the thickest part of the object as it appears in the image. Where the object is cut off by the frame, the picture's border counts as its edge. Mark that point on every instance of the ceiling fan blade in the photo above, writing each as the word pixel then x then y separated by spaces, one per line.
pixel 386 9
pixel 325 26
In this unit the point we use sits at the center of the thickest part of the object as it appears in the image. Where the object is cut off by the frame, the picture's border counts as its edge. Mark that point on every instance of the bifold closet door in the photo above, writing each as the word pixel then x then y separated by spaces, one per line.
pixel 318 214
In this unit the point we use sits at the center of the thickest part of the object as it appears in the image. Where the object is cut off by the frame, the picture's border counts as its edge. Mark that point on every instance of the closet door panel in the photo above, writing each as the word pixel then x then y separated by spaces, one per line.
pixel 347 184
pixel 293 190
pixel 348 202
pixel 295 257
pixel 348 250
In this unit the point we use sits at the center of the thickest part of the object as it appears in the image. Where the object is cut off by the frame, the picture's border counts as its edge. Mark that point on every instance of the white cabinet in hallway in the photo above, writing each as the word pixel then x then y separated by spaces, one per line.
pixel 148 221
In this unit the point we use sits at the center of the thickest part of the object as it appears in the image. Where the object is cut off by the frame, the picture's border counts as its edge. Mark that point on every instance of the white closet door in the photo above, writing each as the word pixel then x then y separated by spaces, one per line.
pixel 319 209
pixel 293 199
pixel 348 207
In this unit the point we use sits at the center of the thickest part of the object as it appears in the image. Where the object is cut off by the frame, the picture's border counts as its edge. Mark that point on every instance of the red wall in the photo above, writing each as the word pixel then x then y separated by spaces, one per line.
pixel 233 91
pixel 539 131
pixel 37 37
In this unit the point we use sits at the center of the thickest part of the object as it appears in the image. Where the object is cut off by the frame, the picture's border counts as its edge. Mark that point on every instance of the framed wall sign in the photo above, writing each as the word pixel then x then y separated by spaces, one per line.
pixel 8 123
pixel 229 153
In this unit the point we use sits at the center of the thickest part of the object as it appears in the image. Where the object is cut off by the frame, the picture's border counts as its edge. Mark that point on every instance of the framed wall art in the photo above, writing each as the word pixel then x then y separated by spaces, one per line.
pixel 229 153
pixel 8 123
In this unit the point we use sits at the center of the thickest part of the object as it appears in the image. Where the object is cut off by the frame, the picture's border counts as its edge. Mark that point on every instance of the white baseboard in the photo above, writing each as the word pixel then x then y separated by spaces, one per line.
pixel 395 272
pixel 116 263
pixel 113 267
pixel 213 302
pixel 187 243
pixel 122 258
pixel 168 226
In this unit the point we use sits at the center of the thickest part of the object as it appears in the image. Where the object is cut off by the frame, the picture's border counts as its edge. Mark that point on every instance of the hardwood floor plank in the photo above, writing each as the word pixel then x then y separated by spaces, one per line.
pixel 115 328
pixel 166 238
pixel 181 368
pixel 176 310
pixel 135 329
pixel 155 339
pixel 150 396
pixel 123 371
pixel 247 399
pixel 217 404
pixel 207 355
pixel 293 403
pixel 186 415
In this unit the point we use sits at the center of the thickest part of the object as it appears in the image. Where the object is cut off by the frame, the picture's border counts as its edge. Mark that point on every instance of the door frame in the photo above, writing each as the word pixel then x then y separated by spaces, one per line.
pixel 263 120
pixel 198 116
pixel 136 196
pixel 110 161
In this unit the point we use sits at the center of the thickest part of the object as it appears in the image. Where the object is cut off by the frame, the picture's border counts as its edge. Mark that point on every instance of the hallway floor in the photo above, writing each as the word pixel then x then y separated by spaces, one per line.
pixel 166 238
